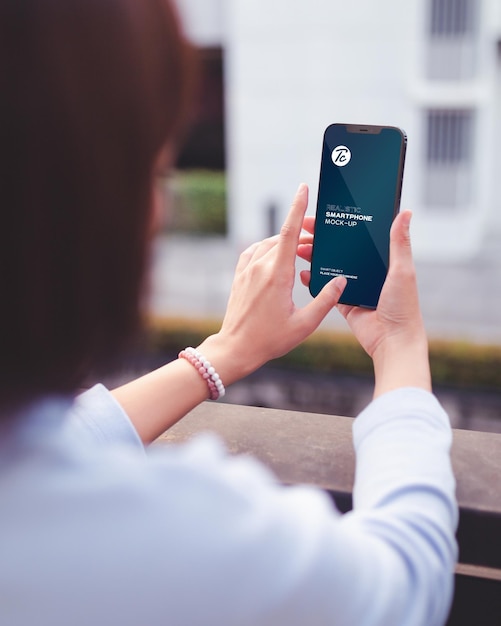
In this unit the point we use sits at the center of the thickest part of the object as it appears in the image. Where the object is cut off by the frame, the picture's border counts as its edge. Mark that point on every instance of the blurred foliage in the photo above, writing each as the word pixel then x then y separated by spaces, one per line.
pixel 197 202
pixel 466 365
pixel 170 335
pixel 453 363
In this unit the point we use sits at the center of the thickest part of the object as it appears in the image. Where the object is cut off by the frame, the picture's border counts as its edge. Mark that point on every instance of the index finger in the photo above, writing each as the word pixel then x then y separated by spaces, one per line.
pixel 291 228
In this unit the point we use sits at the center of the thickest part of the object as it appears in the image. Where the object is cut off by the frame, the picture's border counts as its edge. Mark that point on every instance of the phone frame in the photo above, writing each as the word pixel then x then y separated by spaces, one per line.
pixel 369 129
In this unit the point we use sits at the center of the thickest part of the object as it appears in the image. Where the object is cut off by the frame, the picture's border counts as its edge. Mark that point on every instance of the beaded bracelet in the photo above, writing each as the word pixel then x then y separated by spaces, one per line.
pixel 206 371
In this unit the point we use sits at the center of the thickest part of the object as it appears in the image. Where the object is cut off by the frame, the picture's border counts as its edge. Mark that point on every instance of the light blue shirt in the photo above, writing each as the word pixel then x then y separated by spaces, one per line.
pixel 94 531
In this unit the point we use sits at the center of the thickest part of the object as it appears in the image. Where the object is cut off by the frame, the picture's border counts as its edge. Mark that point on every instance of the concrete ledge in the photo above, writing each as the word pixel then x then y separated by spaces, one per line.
pixel 317 449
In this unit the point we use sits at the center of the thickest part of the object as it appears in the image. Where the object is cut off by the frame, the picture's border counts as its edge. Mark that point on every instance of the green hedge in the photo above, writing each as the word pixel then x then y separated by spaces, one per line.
pixel 466 365
pixel 198 202
pixel 453 363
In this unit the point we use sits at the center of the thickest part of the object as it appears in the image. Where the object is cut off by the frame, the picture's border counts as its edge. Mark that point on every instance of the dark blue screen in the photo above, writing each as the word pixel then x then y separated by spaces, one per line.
pixel 358 197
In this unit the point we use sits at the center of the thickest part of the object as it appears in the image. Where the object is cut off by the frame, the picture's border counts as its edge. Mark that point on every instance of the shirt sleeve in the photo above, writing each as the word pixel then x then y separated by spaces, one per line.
pixel 96 417
pixel 404 501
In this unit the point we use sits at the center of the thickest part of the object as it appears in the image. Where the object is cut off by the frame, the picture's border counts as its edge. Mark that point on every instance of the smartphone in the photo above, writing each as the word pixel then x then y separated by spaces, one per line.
pixel 359 193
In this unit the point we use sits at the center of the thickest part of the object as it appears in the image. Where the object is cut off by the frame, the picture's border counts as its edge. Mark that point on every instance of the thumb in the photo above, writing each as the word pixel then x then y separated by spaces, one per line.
pixel 400 241
pixel 325 301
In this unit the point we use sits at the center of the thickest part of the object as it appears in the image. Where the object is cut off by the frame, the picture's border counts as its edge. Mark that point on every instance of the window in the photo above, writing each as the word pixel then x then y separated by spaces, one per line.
pixel 449 158
pixel 452 34
pixel 204 145
pixel 196 193
pixel 452 18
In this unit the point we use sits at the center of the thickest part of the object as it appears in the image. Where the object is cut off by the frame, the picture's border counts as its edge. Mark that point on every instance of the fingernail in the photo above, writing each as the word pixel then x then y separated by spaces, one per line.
pixel 407 219
pixel 301 189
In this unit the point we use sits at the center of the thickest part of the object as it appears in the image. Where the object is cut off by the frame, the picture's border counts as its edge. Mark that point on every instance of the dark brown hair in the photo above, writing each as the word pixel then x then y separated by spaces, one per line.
pixel 90 92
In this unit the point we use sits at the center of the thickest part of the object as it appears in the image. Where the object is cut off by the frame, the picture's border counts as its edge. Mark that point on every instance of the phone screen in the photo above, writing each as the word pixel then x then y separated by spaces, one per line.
pixel 358 197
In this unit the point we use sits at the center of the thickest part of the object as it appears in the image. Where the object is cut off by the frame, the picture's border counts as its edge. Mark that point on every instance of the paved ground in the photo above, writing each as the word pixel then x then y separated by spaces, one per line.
pixel 192 278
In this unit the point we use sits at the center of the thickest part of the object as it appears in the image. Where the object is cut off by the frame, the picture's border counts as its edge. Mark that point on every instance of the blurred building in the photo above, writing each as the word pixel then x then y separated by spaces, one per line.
pixel 432 67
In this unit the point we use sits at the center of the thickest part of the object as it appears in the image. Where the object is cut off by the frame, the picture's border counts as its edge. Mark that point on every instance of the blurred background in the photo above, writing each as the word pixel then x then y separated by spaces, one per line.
pixel 273 75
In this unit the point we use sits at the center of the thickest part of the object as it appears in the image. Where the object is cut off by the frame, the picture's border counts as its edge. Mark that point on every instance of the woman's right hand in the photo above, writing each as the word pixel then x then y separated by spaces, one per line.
pixel 262 322
pixel 393 334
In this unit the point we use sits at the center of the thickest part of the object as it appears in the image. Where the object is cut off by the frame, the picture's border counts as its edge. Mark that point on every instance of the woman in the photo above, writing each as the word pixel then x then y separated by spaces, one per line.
pixel 92 529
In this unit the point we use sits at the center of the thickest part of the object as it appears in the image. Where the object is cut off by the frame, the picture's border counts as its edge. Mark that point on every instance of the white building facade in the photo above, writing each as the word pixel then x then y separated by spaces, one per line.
pixel 432 67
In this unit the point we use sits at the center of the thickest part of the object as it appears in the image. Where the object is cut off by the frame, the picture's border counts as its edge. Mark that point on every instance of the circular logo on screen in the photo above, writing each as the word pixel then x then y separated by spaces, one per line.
pixel 341 156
